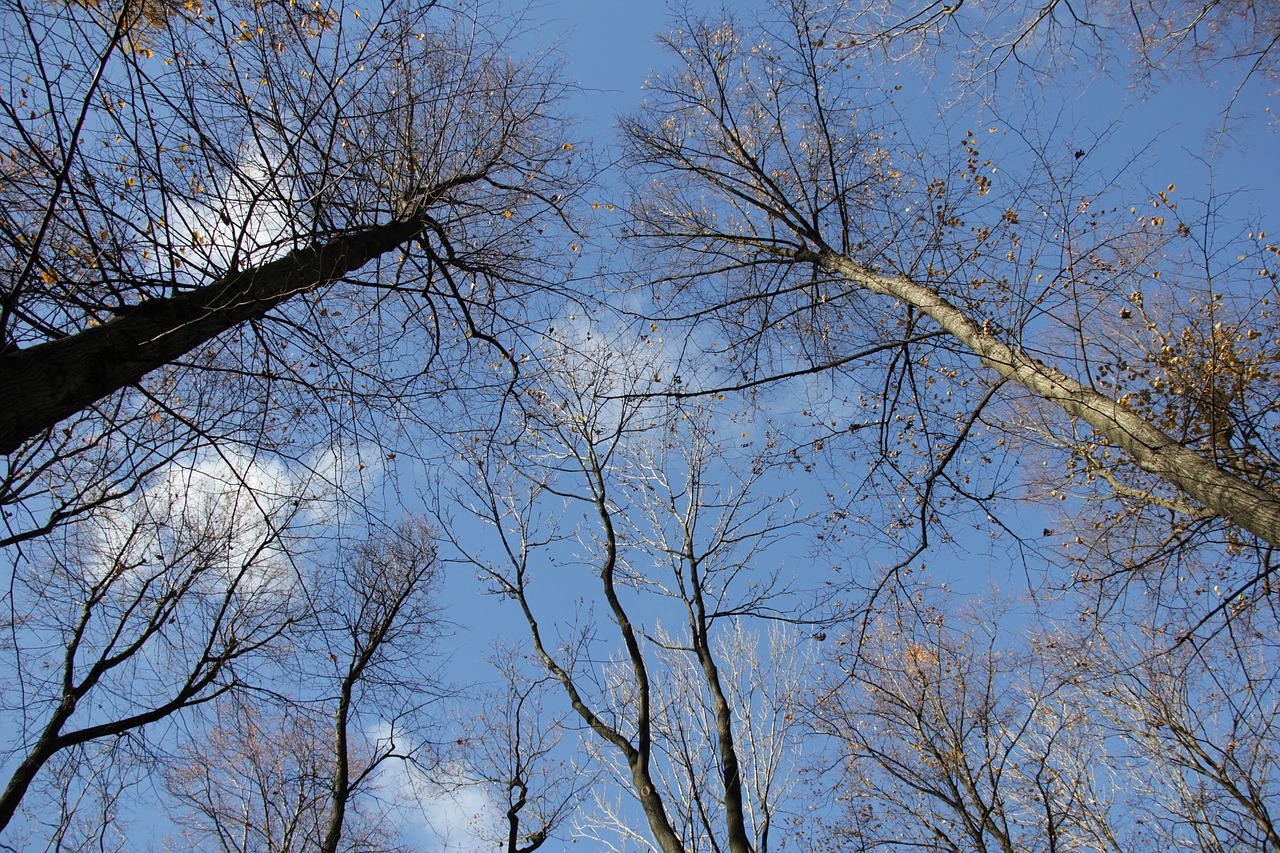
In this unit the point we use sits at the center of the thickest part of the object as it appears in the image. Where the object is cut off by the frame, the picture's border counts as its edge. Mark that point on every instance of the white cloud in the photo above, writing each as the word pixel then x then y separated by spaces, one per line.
pixel 445 812
pixel 246 218
pixel 224 514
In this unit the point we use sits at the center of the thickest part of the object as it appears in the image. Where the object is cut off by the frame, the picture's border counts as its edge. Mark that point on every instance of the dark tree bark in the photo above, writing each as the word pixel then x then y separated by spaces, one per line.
pixel 51 381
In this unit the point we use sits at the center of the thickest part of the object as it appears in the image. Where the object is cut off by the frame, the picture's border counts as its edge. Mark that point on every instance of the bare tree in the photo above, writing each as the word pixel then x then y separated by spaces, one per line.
pixel 656 525
pixel 192 597
pixel 957 730
pixel 366 666
pixel 242 237
pixel 514 746
pixel 1028 40
pixel 1200 716
pixel 764 161
pixel 254 781
pixel 764 675
pixel 295 770
pixel 225 221
pixel 293 765
pixel 82 799
pixel 162 607
pixel 952 736
pixel 378 621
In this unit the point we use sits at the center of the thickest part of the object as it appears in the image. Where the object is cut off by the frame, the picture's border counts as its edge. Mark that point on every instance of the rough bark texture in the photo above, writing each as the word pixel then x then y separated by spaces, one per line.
pixel 340 783
pixel 43 749
pixel 1241 502
pixel 51 381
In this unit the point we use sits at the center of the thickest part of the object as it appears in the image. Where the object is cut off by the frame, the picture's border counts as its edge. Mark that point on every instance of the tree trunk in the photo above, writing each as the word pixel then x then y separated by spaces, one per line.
pixel 340 784
pixel 1227 495
pixel 53 380
pixel 25 773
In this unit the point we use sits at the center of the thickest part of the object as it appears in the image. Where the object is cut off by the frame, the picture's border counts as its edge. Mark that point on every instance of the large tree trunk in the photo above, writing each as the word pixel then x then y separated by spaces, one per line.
pixel 1253 508
pixel 46 383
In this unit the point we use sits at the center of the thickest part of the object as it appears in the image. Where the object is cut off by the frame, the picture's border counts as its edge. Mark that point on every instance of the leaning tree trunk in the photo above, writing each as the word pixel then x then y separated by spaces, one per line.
pixel 1249 506
pixel 54 380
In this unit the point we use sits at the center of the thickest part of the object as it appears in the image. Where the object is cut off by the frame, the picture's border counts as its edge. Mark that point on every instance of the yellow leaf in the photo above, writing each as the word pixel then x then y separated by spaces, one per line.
pixel 568 146
pixel 506 214
pixel 49 277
